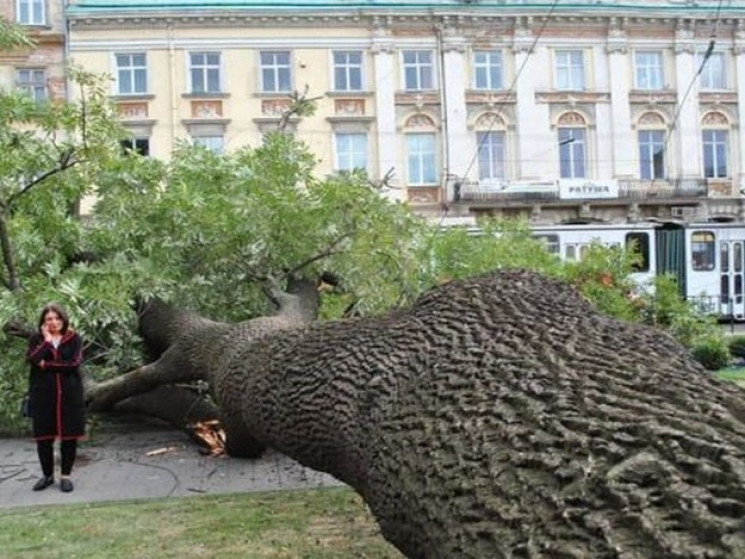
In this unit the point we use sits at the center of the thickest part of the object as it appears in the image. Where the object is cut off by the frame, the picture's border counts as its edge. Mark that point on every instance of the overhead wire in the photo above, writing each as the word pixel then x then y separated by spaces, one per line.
pixel 704 59
pixel 512 85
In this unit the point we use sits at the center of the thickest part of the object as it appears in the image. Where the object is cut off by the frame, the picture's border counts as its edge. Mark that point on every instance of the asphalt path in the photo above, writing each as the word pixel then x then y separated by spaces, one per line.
pixel 141 461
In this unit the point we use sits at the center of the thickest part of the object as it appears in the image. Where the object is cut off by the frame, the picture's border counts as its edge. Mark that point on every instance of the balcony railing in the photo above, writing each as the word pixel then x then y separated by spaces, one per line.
pixel 543 191
pixel 666 188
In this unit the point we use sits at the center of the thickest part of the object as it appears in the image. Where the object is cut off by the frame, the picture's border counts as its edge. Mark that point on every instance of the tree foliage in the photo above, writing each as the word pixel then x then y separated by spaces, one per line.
pixel 209 231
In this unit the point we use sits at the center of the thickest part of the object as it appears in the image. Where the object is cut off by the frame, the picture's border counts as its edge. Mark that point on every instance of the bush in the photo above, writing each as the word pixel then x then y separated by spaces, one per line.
pixel 737 346
pixel 712 353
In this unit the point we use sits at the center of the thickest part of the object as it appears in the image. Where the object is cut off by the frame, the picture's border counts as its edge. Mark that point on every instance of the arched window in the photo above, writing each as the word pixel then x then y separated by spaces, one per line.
pixel 572 138
pixel 651 137
pixel 491 140
pixel 715 141
pixel 421 150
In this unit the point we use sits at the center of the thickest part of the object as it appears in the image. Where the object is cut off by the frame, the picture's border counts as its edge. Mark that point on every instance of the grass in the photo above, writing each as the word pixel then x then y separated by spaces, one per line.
pixel 735 373
pixel 310 524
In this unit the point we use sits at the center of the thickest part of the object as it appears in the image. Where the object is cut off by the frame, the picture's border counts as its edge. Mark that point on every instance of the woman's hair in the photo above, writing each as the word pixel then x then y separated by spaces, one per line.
pixel 59 311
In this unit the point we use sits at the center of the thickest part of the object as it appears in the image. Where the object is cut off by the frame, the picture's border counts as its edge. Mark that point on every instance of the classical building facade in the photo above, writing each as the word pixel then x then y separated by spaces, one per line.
pixel 594 111
pixel 40 70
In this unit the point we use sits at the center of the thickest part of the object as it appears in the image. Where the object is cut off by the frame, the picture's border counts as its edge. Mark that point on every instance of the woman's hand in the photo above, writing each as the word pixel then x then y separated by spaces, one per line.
pixel 45 333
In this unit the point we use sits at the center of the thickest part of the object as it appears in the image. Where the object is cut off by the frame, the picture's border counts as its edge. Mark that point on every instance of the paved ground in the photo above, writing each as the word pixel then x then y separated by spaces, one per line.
pixel 119 463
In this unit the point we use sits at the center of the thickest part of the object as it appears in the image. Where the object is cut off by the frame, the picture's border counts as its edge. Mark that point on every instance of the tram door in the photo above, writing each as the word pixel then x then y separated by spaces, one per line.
pixel 731 254
pixel 670 251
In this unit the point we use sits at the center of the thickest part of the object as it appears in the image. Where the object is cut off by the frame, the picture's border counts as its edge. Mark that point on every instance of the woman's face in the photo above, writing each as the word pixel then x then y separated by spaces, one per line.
pixel 53 322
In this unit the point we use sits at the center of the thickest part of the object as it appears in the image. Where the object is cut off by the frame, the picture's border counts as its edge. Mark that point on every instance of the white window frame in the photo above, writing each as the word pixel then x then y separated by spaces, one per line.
pixel 132 70
pixel 348 68
pixel 36 11
pixel 710 148
pixel 276 68
pixel 37 89
pixel 570 72
pixel 205 69
pixel 424 157
pixel 343 161
pixel 576 151
pixel 210 142
pixel 650 161
pixel 713 75
pixel 649 74
pixel 493 62
pixel 418 66
pixel 492 158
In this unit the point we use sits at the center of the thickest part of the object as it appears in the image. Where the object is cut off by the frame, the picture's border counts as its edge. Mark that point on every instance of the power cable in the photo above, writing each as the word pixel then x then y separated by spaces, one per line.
pixel 512 85
pixel 691 83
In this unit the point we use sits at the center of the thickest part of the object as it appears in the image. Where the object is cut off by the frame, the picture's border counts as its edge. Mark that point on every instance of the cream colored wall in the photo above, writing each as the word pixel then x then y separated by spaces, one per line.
pixel 168 79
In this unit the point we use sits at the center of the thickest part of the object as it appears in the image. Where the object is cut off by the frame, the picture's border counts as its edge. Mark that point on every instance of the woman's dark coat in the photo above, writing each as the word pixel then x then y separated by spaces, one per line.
pixel 56 387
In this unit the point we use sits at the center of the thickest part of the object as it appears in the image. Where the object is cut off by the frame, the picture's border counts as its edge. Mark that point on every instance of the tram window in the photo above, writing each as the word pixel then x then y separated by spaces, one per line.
pixel 551 242
pixel 724 257
pixel 583 250
pixel 639 243
pixel 737 257
pixel 702 250
pixel 738 286
pixel 571 252
pixel 724 290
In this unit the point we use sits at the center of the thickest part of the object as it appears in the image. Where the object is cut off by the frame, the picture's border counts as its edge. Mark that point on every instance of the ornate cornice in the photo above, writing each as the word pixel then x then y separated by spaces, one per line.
pixel 572 97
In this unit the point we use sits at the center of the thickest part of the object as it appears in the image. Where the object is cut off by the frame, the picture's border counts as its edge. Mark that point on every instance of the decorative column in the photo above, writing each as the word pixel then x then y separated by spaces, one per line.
pixel 383 51
pixel 601 167
pixel 534 137
pixel 687 128
pixel 453 86
pixel 739 52
pixel 622 136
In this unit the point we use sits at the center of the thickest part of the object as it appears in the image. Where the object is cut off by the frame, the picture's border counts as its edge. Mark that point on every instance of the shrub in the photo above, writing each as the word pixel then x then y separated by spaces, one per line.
pixel 737 346
pixel 712 353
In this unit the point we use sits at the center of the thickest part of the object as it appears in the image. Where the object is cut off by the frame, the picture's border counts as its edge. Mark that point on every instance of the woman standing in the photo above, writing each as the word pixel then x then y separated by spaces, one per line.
pixel 56 394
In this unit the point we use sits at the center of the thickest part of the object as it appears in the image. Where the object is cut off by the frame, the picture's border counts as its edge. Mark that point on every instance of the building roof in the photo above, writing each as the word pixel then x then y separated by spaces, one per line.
pixel 698 7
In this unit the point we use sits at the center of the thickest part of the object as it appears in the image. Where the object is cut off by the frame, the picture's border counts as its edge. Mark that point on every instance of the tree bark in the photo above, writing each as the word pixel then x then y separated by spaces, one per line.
pixel 504 417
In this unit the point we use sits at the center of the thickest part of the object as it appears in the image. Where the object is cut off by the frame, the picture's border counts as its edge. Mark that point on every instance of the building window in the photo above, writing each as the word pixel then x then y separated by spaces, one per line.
pixel 347 71
pixel 141 146
pixel 715 153
pixel 212 143
pixel 570 70
pixel 487 66
pixel 351 151
pixel 419 70
pixel 30 12
pixel 648 69
pixel 491 155
pixel 131 73
pixel 421 157
pixel 572 150
pixel 33 82
pixel 275 72
pixel 652 154
pixel 204 70
pixel 713 75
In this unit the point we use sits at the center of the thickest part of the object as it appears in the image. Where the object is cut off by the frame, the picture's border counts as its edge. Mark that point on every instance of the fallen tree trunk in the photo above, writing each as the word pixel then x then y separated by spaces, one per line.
pixel 504 417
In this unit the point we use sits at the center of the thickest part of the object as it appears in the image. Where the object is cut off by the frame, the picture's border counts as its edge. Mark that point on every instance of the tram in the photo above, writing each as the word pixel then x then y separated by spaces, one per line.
pixel 707 259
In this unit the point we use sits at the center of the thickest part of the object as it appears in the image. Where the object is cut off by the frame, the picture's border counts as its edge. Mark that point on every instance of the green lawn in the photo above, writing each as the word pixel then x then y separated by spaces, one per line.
pixel 735 374
pixel 314 524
